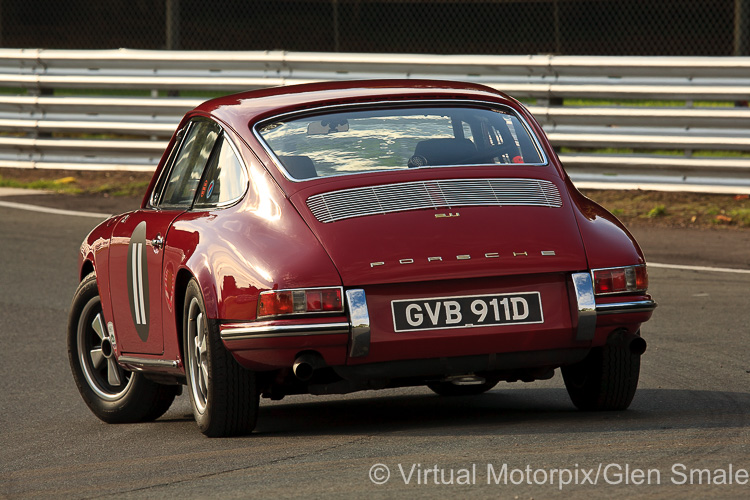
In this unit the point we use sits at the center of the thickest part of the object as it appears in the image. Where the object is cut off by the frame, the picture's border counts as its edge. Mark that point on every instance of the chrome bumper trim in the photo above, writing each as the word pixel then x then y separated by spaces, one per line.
pixel 273 331
pixel 586 304
pixel 358 327
pixel 139 364
pixel 635 306
pixel 359 318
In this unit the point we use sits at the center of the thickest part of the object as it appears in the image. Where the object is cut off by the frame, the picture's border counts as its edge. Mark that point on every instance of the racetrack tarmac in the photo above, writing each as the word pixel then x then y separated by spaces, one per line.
pixel 689 422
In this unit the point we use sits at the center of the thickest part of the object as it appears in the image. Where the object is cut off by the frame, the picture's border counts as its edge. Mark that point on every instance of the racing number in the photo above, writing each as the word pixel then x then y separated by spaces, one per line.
pixel 137 278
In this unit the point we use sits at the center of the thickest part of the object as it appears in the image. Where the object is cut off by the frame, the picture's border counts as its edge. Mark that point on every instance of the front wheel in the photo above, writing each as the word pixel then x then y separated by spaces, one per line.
pixel 113 394
pixel 606 379
pixel 223 394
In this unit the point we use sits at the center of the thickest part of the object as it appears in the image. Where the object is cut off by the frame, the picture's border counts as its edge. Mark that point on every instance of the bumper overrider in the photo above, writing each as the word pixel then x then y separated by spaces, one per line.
pixel 277 343
pixel 589 311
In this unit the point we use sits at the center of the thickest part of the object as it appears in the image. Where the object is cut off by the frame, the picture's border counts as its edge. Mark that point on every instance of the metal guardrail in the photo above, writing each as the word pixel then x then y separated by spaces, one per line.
pixel 56 129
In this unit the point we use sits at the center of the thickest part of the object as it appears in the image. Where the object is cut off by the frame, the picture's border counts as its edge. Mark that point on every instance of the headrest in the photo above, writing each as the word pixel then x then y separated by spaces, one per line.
pixel 445 151
pixel 299 167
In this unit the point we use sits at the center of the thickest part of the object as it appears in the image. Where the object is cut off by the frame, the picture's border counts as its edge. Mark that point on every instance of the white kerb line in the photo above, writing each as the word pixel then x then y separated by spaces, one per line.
pixel 698 268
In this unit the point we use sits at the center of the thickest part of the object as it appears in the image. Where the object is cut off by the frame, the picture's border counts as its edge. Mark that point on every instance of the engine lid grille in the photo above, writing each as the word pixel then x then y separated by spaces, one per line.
pixel 388 198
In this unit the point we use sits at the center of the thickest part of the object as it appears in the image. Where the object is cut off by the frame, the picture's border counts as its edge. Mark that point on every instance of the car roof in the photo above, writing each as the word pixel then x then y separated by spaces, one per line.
pixel 239 110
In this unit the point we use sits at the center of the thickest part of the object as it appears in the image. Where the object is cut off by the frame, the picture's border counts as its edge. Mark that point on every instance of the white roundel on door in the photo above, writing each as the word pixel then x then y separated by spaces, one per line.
pixel 137 280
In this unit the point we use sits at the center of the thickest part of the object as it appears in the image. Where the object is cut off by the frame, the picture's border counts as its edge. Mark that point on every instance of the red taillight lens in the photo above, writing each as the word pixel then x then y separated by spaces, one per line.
pixel 314 301
pixel 332 300
pixel 641 278
pixel 275 304
pixel 620 280
pixel 300 301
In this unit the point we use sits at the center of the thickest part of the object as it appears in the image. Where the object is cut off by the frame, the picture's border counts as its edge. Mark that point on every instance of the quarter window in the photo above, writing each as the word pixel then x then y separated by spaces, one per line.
pixel 182 182
pixel 225 180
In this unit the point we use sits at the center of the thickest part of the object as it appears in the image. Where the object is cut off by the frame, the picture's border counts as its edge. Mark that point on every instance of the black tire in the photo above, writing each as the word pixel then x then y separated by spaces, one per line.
pixel 605 380
pixel 450 389
pixel 96 373
pixel 223 394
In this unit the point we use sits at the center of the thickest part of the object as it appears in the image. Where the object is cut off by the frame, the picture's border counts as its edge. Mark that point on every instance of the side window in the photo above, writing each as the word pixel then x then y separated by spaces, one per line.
pixel 225 179
pixel 182 182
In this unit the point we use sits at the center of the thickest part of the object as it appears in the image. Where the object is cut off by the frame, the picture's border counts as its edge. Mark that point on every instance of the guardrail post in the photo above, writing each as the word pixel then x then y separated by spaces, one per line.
pixel 336 40
pixel 173 24
pixel 741 27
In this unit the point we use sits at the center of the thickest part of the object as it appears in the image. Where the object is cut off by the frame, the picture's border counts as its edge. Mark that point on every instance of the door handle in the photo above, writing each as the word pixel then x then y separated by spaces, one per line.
pixel 157 242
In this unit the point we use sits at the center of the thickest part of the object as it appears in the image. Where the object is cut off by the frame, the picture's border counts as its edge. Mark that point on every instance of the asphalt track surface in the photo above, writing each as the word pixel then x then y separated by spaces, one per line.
pixel 689 422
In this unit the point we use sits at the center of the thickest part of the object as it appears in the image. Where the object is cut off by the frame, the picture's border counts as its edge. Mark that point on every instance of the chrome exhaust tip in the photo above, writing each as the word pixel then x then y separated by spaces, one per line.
pixel 305 365
pixel 469 379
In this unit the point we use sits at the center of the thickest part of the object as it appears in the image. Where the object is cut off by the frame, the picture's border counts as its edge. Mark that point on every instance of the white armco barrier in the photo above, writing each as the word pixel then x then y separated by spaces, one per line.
pixel 648 122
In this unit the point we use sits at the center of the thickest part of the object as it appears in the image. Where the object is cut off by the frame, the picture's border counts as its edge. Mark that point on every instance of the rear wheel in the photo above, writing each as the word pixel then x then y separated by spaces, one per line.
pixel 605 380
pixel 113 394
pixel 223 394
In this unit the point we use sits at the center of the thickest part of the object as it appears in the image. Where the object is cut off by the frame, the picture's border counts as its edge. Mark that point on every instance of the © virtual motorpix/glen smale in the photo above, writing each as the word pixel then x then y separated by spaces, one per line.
pixel 602 474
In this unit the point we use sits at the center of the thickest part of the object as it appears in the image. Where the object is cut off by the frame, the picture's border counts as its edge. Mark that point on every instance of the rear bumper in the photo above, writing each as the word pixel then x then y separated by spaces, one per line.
pixel 635 306
pixel 268 345
pixel 271 330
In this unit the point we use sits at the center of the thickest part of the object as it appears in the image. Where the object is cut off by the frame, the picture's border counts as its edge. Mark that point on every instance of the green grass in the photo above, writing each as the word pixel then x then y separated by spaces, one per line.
pixel 646 103
pixel 71 185
pixel 205 94
pixel 129 189
pixel 676 209
pixel 60 185
pixel 209 94
pixel 657 152
pixel 657 211
pixel 741 216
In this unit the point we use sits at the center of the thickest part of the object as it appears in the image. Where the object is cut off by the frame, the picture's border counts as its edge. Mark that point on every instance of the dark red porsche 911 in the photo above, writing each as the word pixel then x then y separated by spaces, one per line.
pixel 338 237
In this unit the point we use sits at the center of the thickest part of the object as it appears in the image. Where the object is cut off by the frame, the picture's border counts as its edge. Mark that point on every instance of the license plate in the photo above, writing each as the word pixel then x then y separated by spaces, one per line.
pixel 470 311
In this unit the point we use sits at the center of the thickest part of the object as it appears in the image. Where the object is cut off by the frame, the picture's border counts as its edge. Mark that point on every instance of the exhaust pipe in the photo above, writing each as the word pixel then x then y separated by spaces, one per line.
pixel 632 342
pixel 469 379
pixel 306 364
pixel 636 344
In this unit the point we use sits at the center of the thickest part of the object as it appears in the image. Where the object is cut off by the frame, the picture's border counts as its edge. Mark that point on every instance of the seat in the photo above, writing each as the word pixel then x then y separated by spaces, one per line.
pixel 299 167
pixel 445 151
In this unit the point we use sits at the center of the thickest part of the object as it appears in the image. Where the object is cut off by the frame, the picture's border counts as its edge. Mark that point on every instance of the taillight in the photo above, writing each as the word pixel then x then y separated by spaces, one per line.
pixel 300 301
pixel 620 280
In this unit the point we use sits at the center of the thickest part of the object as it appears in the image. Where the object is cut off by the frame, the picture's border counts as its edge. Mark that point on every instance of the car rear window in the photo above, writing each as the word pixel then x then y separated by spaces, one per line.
pixel 356 140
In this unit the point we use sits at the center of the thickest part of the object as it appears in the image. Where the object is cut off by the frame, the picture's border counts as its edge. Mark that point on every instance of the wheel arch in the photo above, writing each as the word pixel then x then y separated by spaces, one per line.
pixel 87 267
pixel 181 283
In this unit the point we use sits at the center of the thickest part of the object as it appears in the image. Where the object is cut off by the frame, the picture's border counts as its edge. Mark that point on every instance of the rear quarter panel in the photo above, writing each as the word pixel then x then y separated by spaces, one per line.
pixel 235 253
pixel 608 242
